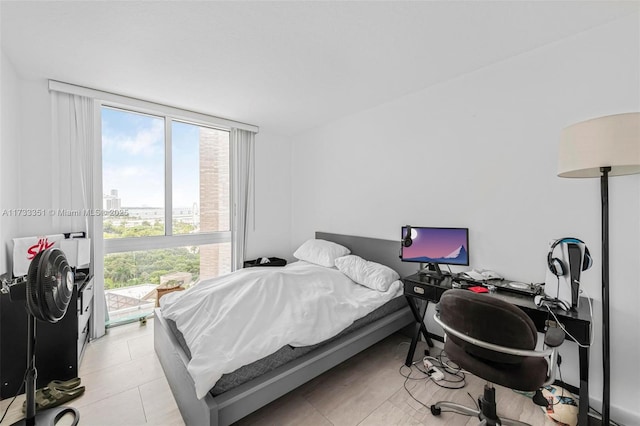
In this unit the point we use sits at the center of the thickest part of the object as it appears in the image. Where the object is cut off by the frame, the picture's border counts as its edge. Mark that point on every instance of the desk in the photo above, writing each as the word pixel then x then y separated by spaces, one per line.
pixel 577 323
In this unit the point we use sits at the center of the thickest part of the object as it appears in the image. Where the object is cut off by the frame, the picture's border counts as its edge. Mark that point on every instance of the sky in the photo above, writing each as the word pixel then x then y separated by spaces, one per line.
pixel 133 159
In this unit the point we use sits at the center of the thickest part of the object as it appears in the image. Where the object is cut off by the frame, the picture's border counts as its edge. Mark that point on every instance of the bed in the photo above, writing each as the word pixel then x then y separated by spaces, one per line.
pixel 230 400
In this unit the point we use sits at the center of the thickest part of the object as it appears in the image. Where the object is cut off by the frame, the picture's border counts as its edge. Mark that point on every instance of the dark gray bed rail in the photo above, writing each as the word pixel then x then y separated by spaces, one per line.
pixel 386 252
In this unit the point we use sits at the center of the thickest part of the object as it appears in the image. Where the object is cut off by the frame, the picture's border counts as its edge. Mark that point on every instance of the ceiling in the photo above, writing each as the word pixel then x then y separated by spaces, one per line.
pixel 284 66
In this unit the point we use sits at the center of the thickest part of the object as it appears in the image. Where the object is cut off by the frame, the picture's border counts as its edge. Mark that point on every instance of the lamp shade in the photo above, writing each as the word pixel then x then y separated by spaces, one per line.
pixel 610 141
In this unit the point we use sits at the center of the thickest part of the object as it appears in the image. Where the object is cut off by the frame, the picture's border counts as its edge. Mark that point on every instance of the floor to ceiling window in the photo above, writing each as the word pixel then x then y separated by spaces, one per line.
pixel 166 198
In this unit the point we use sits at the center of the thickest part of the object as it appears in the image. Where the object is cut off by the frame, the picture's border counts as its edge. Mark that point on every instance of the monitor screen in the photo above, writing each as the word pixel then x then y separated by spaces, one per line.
pixel 436 245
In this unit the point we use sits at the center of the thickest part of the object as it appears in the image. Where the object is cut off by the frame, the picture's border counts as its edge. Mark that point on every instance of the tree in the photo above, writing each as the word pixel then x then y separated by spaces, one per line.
pixel 131 268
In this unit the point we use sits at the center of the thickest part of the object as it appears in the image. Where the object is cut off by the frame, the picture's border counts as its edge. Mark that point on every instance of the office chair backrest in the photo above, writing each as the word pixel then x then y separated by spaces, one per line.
pixel 489 319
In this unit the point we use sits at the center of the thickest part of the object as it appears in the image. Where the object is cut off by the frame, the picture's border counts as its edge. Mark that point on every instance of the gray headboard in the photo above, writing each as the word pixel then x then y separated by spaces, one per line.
pixel 386 252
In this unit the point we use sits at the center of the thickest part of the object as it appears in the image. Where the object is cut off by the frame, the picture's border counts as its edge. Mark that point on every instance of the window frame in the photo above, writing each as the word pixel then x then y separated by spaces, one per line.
pixel 94 181
pixel 168 240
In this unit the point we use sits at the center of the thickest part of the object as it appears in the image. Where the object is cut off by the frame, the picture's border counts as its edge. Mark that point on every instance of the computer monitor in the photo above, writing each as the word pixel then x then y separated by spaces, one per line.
pixel 435 246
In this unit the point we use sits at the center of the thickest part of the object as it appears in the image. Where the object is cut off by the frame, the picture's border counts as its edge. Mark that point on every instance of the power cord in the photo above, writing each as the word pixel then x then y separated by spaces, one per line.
pixel 461 379
pixel 408 377
pixel 18 392
pixel 591 409
pixel 443 363
pixel 475 403
pixel 446 364
pixel 565 330
pixel 582 290
pixel 449 370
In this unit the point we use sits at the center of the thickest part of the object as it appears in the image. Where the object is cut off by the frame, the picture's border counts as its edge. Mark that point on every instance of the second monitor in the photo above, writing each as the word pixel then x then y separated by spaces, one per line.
pixel 435 246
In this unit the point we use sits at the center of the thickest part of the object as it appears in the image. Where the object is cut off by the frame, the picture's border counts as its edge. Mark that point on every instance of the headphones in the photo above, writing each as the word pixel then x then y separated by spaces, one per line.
pixel 557 266
pixel 407 241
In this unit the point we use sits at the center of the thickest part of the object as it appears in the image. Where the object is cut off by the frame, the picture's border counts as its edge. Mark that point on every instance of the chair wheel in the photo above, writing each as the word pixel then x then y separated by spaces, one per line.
pixel 435 410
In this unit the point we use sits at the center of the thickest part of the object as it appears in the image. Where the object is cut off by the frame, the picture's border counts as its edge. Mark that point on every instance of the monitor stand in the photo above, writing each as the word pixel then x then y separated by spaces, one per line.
pixel 431 270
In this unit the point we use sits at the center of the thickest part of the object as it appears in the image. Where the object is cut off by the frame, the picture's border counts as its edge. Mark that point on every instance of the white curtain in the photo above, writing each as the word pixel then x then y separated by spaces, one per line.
pixel 73 131
pixel 242 148
pixel 73 177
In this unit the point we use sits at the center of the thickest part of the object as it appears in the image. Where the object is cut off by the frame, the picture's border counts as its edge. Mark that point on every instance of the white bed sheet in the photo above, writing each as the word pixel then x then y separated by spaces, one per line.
pixel 239 318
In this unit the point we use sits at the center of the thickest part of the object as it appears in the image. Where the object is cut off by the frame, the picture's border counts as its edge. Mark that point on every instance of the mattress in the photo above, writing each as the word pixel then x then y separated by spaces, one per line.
pixel 286 353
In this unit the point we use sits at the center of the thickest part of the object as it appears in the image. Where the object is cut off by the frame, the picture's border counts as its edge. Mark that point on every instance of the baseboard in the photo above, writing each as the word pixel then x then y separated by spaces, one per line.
pixel 594 421
pixel 624 417
pixel 617 414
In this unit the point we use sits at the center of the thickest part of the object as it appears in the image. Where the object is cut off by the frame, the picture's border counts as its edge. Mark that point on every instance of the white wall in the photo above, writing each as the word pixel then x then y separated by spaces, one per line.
pixel 480 151
pixel 37 159
pixel 271 235
pixel 27 156
pixel 9 158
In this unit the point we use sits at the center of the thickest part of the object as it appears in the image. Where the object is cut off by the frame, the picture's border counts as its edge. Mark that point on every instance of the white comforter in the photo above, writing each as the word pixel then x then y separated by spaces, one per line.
pixel 236 319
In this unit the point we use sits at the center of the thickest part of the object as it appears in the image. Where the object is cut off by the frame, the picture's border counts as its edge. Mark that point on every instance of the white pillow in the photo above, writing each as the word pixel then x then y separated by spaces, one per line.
pixel 320 252
pixel 369 274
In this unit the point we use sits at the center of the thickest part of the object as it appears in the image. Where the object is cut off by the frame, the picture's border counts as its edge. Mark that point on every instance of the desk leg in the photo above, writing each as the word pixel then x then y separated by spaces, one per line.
pixel 425 333
pixel 412 348
pixel 583 413
pixel 419 317
pixel 419 328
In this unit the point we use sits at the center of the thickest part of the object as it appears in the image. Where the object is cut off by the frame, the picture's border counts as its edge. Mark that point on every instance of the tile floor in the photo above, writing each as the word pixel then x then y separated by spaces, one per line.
pixel 126 386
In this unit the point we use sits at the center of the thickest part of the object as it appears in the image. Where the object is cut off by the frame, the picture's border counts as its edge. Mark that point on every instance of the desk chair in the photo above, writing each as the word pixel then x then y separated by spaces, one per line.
pixel 496 341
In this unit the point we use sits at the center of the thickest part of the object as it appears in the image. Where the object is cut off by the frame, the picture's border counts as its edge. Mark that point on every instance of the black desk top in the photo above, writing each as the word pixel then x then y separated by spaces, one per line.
pixel 524 301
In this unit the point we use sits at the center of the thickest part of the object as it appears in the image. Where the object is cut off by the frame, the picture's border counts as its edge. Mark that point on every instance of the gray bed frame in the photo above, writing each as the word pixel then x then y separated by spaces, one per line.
pixel 242 400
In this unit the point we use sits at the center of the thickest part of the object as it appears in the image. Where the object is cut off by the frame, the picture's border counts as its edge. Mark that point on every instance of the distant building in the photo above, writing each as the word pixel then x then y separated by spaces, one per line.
pixel 180 214
pixel 111 201
pixel 213 211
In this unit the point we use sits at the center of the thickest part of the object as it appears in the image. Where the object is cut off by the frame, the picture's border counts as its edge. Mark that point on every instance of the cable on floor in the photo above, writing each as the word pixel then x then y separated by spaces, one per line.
pixel 24 378
pixel 444 366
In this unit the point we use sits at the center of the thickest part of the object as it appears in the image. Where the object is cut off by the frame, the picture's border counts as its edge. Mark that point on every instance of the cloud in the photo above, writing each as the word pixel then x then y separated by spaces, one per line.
pixel 146 141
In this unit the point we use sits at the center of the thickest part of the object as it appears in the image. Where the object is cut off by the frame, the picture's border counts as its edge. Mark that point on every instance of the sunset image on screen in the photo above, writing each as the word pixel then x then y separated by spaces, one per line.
pixel 437 245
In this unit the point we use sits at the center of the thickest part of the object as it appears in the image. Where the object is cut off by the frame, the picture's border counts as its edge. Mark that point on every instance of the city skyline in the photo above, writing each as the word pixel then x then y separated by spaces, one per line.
pixel 110 196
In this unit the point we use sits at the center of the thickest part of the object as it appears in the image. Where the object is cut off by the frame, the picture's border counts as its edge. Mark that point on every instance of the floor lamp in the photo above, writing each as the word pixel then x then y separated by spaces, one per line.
pixel 602 147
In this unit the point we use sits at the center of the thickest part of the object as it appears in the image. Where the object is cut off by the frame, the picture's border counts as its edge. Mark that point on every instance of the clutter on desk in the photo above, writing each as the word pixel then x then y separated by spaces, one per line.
pixel 481 275
pixel 530 289
pixel 495 282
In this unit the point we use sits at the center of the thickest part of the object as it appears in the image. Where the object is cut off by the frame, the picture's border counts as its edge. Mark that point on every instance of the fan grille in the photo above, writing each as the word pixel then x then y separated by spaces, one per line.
pixel 49 285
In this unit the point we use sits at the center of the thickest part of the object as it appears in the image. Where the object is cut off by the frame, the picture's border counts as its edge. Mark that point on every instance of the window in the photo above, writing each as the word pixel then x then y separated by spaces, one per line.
pixel 166 186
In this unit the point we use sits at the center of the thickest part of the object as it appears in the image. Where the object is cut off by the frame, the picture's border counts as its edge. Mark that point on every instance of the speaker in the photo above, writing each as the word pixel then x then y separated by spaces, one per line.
pixel 557 266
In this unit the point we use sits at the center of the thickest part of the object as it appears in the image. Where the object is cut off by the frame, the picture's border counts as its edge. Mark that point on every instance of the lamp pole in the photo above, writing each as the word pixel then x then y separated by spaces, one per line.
pixel 602 147
pixel 604 196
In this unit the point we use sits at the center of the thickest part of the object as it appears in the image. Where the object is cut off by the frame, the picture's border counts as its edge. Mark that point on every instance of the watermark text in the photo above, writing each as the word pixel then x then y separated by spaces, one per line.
pixel 64 212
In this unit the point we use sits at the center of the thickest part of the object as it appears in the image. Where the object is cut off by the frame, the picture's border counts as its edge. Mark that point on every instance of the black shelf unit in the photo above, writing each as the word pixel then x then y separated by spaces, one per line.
pixel 59 347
